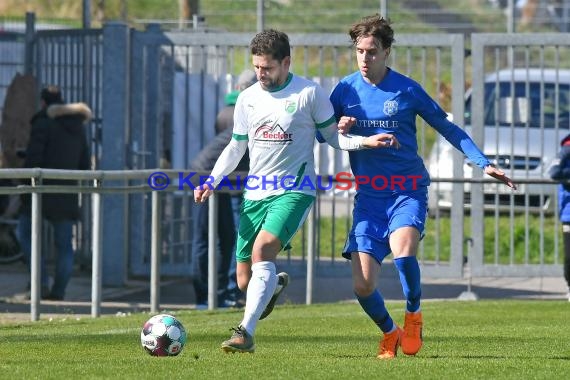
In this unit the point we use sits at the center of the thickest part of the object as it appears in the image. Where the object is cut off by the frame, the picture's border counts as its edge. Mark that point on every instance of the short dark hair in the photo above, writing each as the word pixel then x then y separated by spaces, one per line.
pixel 375 26
pixel 271 42
pixel 51 95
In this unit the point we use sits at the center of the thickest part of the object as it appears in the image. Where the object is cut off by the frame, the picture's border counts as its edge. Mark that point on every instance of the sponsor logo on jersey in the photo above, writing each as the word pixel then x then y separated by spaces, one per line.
pixel 274 134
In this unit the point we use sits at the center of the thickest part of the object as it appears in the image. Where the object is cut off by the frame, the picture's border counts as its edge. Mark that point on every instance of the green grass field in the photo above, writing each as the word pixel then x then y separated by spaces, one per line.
pixel 436 243
pixel 462 340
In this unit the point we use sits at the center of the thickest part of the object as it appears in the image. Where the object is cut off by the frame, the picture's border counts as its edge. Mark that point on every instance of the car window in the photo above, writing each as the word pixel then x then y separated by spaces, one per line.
pixel 530 104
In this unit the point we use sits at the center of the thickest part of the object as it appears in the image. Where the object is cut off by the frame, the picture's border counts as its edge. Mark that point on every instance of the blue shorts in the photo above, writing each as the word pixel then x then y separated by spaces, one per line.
pixel 374 219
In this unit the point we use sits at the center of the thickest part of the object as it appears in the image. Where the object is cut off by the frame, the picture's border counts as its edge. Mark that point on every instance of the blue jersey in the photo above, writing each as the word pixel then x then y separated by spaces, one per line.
pixel 392 107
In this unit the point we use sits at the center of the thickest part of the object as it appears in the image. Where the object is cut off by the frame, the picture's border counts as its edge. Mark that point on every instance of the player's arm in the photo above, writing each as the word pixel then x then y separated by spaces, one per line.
pixel 462 142
pixel 226 163
pixel 431 112
pixel 353 142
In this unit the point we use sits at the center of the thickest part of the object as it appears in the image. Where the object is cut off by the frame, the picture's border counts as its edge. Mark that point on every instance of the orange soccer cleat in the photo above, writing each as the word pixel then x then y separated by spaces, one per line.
pixel 412 339
pixel 388 347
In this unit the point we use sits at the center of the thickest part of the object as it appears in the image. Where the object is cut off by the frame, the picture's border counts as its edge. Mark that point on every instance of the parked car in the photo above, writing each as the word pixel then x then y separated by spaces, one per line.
pixel 521 137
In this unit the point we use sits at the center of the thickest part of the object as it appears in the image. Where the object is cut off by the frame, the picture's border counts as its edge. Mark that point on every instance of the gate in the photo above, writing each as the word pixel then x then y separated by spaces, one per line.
pixel 520 104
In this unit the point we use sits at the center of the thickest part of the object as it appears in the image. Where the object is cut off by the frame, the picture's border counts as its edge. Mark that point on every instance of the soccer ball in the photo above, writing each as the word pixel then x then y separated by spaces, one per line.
pixel 163 335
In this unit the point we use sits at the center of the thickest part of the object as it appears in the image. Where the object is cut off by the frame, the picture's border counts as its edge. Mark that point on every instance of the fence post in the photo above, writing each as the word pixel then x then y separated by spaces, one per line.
pixel 36 256
pixel 458 108
pixel 30 35
pixel 116 49
pixel 156 252
pixel 212 251
pixel 468 295
pixel 97 253
pixel 311 249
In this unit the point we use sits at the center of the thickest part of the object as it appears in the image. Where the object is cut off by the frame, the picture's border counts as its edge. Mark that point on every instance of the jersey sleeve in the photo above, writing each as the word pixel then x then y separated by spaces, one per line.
pixel 240 118
pixel 341 141
pixel 228 160
pixel 322 109
pixel 234 151
pixel 435 116
pixel 336 100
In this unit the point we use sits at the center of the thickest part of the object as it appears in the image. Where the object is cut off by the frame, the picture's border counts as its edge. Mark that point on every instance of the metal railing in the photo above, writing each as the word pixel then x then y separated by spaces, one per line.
pixel 97 189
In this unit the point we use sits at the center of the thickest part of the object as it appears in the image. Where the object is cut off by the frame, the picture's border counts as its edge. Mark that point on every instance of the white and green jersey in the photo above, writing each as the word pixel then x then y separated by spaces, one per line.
pixel 279 127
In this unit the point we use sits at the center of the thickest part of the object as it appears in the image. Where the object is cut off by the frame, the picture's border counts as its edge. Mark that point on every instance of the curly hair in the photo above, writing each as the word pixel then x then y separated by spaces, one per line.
pixel 271 42
pixel 376 26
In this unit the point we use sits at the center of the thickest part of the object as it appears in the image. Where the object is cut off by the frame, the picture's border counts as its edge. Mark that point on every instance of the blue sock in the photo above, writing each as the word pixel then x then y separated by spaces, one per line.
pixel 374 306
pixel 409 270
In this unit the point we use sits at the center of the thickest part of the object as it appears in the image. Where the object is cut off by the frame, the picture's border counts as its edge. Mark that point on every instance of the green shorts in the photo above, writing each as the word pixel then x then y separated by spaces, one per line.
pixel 281 215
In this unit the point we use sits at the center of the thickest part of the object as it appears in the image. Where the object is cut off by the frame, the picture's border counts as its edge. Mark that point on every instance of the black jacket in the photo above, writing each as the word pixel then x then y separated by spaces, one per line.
pixel 58 141
pixel 207 157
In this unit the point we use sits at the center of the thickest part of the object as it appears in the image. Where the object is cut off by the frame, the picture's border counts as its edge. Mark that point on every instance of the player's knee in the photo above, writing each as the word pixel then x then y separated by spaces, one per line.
pixel 363 288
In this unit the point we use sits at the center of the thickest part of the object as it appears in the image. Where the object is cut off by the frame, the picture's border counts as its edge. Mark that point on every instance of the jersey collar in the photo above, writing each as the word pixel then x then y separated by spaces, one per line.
pixel 287 81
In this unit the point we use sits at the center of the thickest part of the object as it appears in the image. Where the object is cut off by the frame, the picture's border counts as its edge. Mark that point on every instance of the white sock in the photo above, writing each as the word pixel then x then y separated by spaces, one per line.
pixel 259 291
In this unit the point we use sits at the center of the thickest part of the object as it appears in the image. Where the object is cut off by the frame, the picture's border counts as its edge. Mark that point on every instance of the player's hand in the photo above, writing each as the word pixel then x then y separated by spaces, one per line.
pixel 381 140
pixel 200 195
pixel 345 123
pixel 500 175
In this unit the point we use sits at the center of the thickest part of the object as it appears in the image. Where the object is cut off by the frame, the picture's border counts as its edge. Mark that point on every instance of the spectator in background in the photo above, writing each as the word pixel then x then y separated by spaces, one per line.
pixel 57 141
pixel 560 171
pixel 229 294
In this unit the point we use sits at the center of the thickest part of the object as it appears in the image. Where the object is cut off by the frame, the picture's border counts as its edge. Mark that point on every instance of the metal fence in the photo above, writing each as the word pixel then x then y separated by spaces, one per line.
pixel 529 75
pixel 12 52
pixel 156 95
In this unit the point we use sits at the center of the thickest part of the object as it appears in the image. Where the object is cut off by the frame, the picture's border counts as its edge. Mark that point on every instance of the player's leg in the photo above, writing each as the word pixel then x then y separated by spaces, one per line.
pixel 272 222
pixel 365 270
pixel 251 220
pixel 407 225
pixel 261 286
pixel 286 215
pixel 406 262
pixel 366 247
pixel 404 242
pixel 263 280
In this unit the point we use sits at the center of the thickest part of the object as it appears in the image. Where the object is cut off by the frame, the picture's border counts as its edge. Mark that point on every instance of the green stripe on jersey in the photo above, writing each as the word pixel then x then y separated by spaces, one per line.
pixel 300 174
pixel 237 137
pixel 326 123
